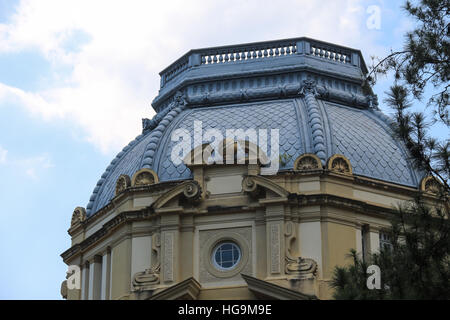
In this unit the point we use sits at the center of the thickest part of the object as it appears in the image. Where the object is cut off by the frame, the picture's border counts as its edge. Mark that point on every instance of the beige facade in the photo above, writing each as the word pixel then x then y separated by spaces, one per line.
pixel 155 241
pixel 154 229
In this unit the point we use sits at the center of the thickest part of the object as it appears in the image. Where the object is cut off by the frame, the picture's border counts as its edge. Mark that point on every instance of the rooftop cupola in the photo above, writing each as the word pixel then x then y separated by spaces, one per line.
pixel 261 70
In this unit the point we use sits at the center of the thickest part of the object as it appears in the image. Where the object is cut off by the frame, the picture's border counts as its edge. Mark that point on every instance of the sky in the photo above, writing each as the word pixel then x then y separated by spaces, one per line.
pixel 77 77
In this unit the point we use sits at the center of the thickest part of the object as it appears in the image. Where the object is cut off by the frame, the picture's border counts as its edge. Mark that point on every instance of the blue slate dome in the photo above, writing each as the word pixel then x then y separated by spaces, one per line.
pixel 309 90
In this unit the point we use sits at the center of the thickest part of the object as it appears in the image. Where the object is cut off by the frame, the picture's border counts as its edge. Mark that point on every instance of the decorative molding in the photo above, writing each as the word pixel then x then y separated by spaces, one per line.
pixel 296 266
pixel 64 289
pixel 301 199
pixel 191 191
pixel 307 162
pixel 122 183
pixel 168 257
pixel 290 90
pixel 251 184
pixel 178 104
pixel 275 248
pixel 150 277
pixel 308 87
pixel 78 216
pixel 188 289
pixel 301 268
pixel 113 203
pixel 253 154
pixel 149 124
pixel 339 163
pixel 431 184
pixel 212 241
pixel 309 91
pixel 144 177
pixel 266 290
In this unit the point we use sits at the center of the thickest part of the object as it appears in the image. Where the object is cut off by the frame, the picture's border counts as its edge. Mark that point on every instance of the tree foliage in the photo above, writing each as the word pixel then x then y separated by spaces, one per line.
pixel 424 61
pixel 417 266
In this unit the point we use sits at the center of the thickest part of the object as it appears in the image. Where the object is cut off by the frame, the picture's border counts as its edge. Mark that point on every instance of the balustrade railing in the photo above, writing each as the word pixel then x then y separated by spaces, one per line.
pixel 262 50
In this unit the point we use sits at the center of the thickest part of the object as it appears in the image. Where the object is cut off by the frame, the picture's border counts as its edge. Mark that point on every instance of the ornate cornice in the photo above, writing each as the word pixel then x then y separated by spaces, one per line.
pixel 268 92
pixel 151 188
pixel 298 199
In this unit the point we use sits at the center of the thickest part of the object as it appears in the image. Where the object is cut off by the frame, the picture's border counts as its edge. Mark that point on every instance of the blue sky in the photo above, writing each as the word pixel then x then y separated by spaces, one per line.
pixel 76 77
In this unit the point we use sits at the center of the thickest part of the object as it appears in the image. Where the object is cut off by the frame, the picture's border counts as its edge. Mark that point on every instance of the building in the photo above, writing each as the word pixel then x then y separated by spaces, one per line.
pixel 270 226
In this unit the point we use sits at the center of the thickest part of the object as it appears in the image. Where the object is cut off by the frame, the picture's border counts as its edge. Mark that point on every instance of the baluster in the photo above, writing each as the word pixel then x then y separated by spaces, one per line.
pixel 294 48
pixel 209 59
pixel 259 53
pixel 203 59
pixel 215 58
pixel 277 52
pixel 270 52
pixel 265 53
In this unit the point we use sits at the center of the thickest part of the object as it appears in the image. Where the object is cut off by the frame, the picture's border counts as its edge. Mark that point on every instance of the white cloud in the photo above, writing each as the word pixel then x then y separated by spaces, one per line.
pixel 3 153
pixel 32 166
pixel 114 76
pixel 35 166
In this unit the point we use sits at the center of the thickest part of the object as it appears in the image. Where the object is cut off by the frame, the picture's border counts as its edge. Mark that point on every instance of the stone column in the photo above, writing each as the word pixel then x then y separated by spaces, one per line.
pixel 85 281
pixel 106 274
pixel 95 278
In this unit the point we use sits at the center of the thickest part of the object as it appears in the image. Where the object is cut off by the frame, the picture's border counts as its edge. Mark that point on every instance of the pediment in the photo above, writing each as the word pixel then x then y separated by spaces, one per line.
pixel 188 289
pixel 189 191
pixel 269 291
pixel 264 189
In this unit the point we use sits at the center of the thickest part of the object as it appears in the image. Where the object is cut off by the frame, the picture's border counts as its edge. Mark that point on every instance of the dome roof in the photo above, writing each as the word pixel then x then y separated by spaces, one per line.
pixel 316 104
